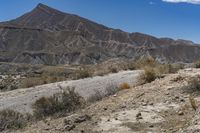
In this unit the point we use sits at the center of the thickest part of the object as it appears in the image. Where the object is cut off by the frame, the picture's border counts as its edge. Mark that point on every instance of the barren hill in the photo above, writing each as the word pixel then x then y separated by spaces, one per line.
pixel 48 36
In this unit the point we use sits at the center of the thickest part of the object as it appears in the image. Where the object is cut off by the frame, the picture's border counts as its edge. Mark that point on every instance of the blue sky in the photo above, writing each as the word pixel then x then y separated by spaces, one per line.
pixel 155 17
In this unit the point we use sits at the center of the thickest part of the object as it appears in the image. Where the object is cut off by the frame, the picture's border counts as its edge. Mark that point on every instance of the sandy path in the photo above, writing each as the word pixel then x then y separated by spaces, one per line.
pixel 22 99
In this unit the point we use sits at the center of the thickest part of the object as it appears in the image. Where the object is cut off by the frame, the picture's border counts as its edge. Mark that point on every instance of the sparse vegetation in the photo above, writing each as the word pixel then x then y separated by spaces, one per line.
pixel 145 62
pixel 124 86
pixel 194 83
pixel 40 80
pixel 153 69
pixel 193 103
pixel 148 75
pixel 83 73
pixel 32 81
pixel 197 64
pixel 66 101
pixel 8 83
pixel 113 69
pixel 10 119
pixel 110 89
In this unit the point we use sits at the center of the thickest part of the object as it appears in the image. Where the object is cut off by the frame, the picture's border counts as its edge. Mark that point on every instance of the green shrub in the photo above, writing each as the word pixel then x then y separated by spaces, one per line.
pixel 66 101
pixel 10 119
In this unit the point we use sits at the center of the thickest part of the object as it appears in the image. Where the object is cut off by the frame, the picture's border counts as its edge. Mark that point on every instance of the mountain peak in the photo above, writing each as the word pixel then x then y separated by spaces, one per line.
pixel 40 5
pixel 45 8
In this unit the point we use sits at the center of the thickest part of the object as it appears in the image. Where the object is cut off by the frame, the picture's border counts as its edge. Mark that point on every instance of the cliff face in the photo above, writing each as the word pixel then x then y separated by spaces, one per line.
pixel 48 36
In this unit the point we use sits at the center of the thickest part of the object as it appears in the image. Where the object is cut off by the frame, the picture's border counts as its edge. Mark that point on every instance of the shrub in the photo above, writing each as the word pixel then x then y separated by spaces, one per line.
pixel 97 96
pixel 131 66
pixel 148 75
pixel 124 86
pixel 66 101
pixel 197 64
pixel 110 89
pixel 145 62
pixel 83 73
pixel 10 119
pixel 113 70
pixel 8 84
pixel 173 68
pixel 194 83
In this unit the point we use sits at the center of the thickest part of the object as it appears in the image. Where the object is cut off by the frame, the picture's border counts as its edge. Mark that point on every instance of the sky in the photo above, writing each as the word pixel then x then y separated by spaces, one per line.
pixel 177 19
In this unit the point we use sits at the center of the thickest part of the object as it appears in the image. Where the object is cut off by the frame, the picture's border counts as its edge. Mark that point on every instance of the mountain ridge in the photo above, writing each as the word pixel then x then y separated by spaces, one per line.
pixel 48 36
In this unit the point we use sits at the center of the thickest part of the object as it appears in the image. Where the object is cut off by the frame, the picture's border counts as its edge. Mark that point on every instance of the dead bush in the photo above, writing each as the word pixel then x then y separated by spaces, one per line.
pixel 145 62
pixel 83 73
pixel 63 102
pixel 194 83
pixel 193 103
pixel 173 68
pixel 148 75
pixel 124 86
pixel 113 69
pixel 8 84
pixel 131 66
pixel 111 89
pixel 10 119
pixel 98 95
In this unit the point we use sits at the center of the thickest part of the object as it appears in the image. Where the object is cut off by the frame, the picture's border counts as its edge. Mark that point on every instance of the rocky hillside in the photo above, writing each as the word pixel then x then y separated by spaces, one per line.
pixel 162 106
pixel 48 36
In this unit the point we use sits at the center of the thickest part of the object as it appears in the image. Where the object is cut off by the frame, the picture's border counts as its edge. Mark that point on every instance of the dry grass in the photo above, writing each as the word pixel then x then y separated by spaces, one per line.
pixel 10 119
pixel 153 69
pixel 124 86
pixel 40 80
pixel 148 75
pixel 83 73
pixel 113 69
pixel 193 103
pixel 31 82
pixel 145 62
pixel 66 101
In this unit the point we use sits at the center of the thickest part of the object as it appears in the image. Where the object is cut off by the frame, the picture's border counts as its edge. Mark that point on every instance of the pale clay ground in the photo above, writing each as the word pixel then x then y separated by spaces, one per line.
pixel 163 104
pixel 22 99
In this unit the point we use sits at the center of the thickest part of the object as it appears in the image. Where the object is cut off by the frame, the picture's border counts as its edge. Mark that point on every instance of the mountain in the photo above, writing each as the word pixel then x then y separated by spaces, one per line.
pixel 48 36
